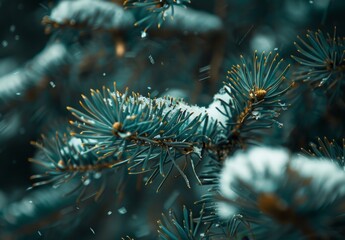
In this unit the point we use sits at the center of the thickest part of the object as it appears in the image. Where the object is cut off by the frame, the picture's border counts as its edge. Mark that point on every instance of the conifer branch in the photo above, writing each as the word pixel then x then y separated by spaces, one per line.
pixel 327 149
pixel 37 210
pixel 187 229
pixel 86 15
pixel 27 82
pixel 158 135
pixel 246 192
pixel 322 60
pixel 64 159
pixel 257 97
pixel 274 193
pixel 156 10
pixel 150 135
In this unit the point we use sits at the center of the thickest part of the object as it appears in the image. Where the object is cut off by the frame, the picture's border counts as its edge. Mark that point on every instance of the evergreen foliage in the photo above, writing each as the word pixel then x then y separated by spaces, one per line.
pixel 189 229
pixel 322 60
pixel 156 11
pixel 327 149
pixel 124 164
pixel 141 132
pixel 256 94
pixel 275 193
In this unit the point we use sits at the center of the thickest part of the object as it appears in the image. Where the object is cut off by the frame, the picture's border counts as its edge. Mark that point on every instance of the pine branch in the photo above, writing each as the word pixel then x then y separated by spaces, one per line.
pixel 148 135
pixel 44 66
pixel 26 84
pixel 279 196
pixel 37 210
pixel 257 97
pixel 155 10
pixel 159 135
pixel 187 20
pixel 174 16
pixel 210 178
pixel 64 159
pixel 187 229
pixel 326 149
pixel 322 60
pixel 89 15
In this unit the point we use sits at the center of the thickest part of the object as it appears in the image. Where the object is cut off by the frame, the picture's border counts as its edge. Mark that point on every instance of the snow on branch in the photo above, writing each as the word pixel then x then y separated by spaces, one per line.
pixel 282 196
pixel 191 21
pixel 89 15
pixel 47 64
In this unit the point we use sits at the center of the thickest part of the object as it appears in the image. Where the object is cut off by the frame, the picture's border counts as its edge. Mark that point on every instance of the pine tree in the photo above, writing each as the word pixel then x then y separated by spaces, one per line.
pixel 146 119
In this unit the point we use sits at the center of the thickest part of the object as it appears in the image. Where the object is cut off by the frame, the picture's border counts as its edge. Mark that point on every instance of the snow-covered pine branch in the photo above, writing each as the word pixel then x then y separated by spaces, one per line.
pixel 281 196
